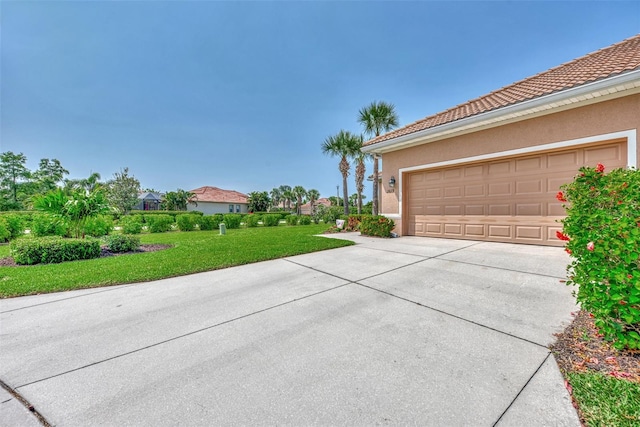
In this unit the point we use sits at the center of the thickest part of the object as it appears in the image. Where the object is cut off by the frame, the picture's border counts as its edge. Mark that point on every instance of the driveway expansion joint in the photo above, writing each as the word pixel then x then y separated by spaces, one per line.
pixel 17 396
pixel 453 315
pixel 206 328
pixel 522 389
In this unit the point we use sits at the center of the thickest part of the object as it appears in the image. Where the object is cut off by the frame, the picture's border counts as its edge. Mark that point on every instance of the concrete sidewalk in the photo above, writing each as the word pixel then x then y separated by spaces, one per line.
pixel 390 331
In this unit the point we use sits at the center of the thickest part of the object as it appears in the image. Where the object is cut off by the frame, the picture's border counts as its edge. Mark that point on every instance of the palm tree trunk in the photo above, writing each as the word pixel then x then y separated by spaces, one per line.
pixel 345 194
pixel 375 185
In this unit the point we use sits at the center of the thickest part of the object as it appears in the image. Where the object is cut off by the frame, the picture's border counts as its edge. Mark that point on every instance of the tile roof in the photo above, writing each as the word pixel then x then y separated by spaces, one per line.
pixel 215 194
pixel 613 60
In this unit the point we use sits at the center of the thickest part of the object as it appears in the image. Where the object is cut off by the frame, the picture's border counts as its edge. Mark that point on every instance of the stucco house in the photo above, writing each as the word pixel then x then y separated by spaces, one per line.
pixel 489 169
pixel 211 200
pixel 306 208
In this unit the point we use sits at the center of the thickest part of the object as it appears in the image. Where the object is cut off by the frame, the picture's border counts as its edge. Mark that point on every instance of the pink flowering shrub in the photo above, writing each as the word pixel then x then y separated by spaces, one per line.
pixel 602 231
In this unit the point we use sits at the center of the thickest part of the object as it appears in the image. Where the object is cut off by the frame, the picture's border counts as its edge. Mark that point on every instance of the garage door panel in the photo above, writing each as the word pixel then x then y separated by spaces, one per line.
pixel 504 200
pixel 604 155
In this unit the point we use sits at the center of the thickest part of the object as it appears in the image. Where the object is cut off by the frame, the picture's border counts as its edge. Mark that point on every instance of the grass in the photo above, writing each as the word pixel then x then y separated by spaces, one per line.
pixel 606 401
pixel 192 252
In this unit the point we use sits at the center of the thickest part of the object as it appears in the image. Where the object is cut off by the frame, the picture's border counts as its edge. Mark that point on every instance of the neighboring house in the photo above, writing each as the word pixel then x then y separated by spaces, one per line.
pixel 489 169
pixel 210 200
pixel 148 202
pixel 306 208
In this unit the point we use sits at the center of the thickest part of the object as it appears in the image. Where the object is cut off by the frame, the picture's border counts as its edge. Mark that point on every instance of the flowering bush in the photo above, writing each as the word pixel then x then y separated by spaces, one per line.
pixel 602 231
pixel 380 226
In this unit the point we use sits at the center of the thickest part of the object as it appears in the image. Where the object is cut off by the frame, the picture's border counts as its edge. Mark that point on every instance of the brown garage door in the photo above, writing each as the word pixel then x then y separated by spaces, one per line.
pixel 504 200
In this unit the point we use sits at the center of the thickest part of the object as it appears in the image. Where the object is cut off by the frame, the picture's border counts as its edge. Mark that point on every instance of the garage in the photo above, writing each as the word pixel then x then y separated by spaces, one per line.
pixel 509 199
pixel 489 169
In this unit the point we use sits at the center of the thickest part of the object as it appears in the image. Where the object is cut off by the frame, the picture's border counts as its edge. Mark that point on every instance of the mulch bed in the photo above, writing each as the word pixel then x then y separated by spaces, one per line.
pixel 105 252
pixel 581 348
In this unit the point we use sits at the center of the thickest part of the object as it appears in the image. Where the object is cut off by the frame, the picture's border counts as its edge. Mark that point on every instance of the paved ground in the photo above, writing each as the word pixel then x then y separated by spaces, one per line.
pixel 390 331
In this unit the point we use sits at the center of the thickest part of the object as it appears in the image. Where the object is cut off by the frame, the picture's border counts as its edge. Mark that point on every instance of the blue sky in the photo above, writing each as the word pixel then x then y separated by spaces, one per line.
pixel 240 95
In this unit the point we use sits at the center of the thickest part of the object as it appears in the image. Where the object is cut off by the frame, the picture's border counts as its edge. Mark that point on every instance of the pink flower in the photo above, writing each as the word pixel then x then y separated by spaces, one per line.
pixel 560 235
pixel 560 196
pixel 600 168
pixel 591 246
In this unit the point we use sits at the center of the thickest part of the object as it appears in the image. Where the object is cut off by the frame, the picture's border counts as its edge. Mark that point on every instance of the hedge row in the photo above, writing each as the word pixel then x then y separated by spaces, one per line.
pixel 53 249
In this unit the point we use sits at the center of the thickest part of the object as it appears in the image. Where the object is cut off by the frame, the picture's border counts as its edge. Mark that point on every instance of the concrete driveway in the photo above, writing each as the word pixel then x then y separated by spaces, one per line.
pixel 387 332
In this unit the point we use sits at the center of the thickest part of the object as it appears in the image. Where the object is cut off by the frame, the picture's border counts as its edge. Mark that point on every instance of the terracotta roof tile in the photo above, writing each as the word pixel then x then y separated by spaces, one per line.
pixel 608 62
pixel 215 194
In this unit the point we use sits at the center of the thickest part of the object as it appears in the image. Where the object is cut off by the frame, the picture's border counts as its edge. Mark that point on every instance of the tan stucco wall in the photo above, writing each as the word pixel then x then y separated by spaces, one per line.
pixel 616 115
pixel 209 208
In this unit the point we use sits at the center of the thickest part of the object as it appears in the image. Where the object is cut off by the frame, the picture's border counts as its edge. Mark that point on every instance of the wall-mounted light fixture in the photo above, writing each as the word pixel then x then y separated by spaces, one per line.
pixel 392 182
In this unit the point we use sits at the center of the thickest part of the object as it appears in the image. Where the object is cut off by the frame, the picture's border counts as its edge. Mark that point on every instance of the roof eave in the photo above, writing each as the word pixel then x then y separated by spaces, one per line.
pixel 577 95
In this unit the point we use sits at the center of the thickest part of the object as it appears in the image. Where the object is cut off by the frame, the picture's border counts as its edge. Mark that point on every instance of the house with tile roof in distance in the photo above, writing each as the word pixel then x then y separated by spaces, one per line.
pixel 489 169
pixel 148 201
pixel 212 200
pixel 306 208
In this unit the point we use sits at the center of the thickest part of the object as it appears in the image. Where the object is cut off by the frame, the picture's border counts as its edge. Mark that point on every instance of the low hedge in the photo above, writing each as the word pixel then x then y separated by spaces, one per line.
pixel 232 220
pixel 5 234
pixel 159 223
pixel 122 243
pixel 99 226
pixel 52 249
pixel 44 224
pixel 186 222
pixel 252 220
pixel 304 220
pixel 271 220
pixel 210 222
pixel 292 219
pixel 131 224
pixel 380 226
pixel 172 213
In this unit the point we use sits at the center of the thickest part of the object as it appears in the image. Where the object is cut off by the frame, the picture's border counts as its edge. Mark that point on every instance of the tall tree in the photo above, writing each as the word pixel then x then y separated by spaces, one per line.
pixel 12 171
pixel 299 193
pixel 49 174
pixel 123 190
pixel 376 118
pixel 313 196
pixel 360 158
pixel 177 200
pixel 276 196
pixel 344 145
pixel 286 196
pixel 89 184
pixel 258 201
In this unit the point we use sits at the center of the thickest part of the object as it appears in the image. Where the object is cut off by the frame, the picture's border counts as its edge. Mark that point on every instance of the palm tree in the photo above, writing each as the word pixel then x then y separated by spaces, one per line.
pixel 276 196
pixel 376 118
pixel 344 145
pixel 360 157
pixel 286 196
pixel 313 196
pixel 299 193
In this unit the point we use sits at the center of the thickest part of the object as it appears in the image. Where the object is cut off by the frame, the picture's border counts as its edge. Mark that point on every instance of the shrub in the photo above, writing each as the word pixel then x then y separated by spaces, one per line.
pixel 252 220
pixel 292 219
pixel 331 214
pixel 15 225
pixel 232 220
pixel 271 220
pixel 123 243
pixel 172 213
pixel 186 222
pixel 602 231
pixel 380 226
pixel 159 223
pixel 305 220
pixel 209 222
pixel 353 222
pixel 53 249
pixel 131 224
pixel 98 226
pixel 5 234
pixel 43 224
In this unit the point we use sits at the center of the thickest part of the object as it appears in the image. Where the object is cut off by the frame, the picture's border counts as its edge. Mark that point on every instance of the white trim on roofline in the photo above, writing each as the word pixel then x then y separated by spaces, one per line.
pixel 632 160
pixel 615 86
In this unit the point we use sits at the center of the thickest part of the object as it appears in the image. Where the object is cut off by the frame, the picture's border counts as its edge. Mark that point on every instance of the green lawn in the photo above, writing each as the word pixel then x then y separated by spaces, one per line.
pixel 193 252
pixel 606 401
